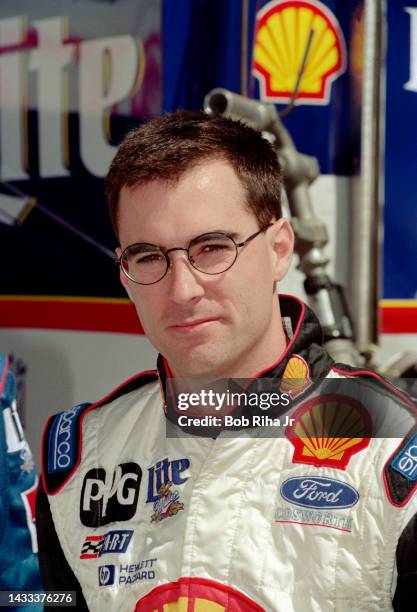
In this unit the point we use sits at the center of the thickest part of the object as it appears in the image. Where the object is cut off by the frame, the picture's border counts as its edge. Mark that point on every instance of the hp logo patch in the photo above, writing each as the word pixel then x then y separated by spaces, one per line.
pixel 108 498
pixel 106 575
pixel 405 462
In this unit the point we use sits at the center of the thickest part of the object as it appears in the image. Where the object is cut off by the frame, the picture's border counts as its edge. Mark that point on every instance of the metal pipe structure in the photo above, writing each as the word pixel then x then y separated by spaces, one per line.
pixel 299 171
pixel 364 272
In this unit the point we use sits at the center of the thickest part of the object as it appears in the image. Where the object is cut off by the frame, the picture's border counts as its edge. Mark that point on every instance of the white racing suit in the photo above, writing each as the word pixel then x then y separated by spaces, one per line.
pixel 134 520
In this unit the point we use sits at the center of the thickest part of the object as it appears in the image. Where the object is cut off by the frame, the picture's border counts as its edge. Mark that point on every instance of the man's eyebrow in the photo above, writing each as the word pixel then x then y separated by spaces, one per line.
pixel 233 235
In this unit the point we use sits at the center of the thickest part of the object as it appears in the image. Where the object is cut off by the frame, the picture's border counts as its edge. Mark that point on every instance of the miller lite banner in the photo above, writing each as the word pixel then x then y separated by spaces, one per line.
pixel 74 77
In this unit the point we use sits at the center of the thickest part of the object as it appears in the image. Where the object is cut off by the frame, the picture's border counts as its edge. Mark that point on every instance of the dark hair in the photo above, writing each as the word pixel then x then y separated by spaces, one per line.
pixel 167 146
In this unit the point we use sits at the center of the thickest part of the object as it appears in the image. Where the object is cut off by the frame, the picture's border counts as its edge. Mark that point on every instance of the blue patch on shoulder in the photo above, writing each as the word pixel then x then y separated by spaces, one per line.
pixel 63 440
pixel 405 461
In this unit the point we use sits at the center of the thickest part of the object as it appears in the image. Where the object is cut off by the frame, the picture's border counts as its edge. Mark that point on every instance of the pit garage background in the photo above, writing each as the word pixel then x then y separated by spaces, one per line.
pixel 75 75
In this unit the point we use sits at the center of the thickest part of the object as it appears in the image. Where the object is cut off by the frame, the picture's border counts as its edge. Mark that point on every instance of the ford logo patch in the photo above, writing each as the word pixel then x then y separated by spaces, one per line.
pixel 319 492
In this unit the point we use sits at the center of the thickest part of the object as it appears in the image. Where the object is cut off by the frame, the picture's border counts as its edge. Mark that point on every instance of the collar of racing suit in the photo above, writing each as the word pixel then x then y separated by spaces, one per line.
pixel 305 344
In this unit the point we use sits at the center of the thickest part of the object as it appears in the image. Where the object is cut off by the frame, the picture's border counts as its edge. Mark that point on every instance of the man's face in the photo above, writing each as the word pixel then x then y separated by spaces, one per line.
pixel 207 326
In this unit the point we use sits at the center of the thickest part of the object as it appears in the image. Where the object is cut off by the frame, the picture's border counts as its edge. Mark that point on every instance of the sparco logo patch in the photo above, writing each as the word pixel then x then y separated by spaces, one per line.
pixel 107 498
pixel 405 462
pixel 319 492
pixel 61 450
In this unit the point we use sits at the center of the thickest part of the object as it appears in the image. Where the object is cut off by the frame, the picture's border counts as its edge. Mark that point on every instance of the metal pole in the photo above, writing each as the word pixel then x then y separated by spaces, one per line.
pixel 365 255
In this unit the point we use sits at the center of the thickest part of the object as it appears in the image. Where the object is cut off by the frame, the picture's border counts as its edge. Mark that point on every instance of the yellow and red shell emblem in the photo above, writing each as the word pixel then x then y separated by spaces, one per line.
pixel 196 595
pixel 328 430
pixel 283 31
pixel 296 376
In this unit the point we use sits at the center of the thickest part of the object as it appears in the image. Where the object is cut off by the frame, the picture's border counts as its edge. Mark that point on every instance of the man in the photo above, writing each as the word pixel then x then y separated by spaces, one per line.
pixel 140 520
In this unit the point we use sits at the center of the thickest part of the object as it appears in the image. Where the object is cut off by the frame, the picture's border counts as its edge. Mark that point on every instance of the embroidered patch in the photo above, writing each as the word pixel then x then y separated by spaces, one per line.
pixel 167 504
pixel 128 573
pixel 328 430
pixel 110 496
pixel 400 471
pixel 319 492
pixel 115 541
pixel 196 593
pixel 91 547
pixel 296 376
pixel 143 571
pixel 405 461
pixel 106 575
pixel 162 476
pixel 63 440
pixel 166 471
pixel 315 518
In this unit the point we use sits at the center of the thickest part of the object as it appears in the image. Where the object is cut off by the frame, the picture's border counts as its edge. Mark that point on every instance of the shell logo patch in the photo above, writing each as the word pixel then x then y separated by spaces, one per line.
pixel 291 34
pixel 196 595
pixel 295 377
pixel 328 430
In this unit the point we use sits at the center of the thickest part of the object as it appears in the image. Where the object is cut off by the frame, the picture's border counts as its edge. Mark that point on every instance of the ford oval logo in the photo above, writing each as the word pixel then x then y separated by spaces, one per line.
pixel 319 492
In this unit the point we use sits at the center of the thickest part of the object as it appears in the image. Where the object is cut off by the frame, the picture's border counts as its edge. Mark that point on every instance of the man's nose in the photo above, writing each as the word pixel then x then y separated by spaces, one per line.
pixel 185 281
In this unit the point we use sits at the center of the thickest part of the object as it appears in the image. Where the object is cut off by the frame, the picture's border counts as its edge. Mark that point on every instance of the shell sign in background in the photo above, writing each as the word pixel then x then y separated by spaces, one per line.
pixel 293 34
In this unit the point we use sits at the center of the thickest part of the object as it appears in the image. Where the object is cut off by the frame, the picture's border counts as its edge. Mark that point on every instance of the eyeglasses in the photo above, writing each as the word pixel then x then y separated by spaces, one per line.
pixel 211 253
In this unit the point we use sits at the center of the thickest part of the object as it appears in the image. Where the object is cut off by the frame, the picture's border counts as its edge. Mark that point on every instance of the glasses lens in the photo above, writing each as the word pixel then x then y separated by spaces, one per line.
pixel 212 253
pixel 144 263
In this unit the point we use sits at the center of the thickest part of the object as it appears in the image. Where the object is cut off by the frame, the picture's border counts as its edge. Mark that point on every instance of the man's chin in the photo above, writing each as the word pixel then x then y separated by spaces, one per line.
pixel 197 363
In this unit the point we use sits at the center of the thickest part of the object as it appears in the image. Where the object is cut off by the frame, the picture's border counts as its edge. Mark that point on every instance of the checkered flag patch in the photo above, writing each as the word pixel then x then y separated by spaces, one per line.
pixel 91 547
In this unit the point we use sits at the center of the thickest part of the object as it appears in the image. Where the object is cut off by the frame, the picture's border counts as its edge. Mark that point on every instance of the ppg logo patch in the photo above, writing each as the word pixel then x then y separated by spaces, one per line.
pixel 62 440
pixel 405 462
pixel 106 575
pixel 110 497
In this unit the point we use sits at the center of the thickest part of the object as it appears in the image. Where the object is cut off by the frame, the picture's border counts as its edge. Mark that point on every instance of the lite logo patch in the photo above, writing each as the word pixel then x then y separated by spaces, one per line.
pixel 109 498
pixel 164 472
pixel 166 500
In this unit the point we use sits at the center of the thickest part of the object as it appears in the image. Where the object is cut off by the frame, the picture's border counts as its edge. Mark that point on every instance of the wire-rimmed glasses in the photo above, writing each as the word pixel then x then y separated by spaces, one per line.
pixel 210 253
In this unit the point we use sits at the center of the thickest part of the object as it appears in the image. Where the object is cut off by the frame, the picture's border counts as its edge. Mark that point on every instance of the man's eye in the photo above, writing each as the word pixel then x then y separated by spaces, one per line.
pixel 212 248
pixel 149 258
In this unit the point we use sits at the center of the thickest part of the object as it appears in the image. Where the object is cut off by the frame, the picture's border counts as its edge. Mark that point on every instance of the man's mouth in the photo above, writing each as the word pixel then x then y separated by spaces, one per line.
pixel 188 326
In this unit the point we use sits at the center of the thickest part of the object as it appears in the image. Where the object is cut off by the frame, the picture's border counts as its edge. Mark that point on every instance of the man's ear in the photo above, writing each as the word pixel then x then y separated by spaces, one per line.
pixel 282 243
pixel 123 278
